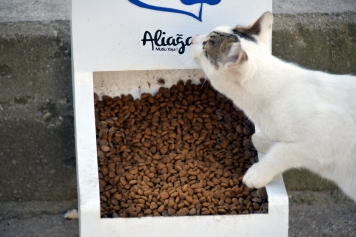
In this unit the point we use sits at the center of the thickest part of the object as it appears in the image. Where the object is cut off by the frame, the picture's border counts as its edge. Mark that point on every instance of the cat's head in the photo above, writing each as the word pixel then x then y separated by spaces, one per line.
pixel 230 51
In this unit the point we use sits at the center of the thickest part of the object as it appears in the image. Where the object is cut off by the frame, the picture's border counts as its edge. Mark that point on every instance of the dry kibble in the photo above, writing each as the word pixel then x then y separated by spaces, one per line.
pixel 247 131
pixel 133 171
pixel 247 143
pixel 164 150
pixel 192 211
pixel 224 143
pixel 182 151
pixel 239 129
pixel 261 193
pixel 182 173
pixel 161 208
pixel 118 196
pixel 256 206
pixel 189 199
pixel 205 212
pixel 171 211
pixel 160 166
pixel 181 212
pixel 164 195
pixel 105 148
pixel 153 205
pixel 154 108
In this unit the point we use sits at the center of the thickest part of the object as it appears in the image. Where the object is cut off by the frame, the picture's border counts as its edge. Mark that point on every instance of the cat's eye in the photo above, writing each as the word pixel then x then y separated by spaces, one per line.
pixel 208 41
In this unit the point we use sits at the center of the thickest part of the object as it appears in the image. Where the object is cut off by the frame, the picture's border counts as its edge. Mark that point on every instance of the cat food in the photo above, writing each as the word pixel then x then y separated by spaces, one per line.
pixel 180 152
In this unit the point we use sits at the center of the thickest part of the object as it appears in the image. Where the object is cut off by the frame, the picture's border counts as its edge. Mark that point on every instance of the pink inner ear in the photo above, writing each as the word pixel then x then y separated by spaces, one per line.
pixel 234 55
pixel 233 58
pixel 236 59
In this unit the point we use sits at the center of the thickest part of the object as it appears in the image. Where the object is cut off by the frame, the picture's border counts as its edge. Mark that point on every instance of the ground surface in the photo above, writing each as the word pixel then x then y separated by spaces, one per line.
pixel 311 214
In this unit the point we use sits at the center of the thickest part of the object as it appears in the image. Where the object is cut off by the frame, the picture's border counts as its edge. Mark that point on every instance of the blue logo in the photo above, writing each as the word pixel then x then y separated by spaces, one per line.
pixel 173 10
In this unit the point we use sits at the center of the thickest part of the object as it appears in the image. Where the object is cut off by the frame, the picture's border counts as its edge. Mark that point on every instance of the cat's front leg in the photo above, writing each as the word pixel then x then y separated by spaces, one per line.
pixel 261 142
pixel 280 157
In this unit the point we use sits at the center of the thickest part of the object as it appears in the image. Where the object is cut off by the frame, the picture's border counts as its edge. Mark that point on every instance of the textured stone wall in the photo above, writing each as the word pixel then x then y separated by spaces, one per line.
pixel 37 153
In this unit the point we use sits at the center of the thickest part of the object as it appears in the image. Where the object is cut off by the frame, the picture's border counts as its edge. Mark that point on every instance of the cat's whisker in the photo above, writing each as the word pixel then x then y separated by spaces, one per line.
pixel 183 61
pixel 202 85
pixel 185 57
pixel 176 72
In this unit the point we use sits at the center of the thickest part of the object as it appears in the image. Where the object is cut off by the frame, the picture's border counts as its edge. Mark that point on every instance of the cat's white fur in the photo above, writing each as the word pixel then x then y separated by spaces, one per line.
pixel 307 118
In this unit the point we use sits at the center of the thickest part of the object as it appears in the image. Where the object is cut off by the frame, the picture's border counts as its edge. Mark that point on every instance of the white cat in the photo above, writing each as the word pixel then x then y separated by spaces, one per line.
pixel 307 118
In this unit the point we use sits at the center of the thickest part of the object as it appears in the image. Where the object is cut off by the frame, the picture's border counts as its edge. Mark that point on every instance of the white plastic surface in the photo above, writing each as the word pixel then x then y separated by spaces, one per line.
pixel 275 223
pixel 106 33
pixel 106 60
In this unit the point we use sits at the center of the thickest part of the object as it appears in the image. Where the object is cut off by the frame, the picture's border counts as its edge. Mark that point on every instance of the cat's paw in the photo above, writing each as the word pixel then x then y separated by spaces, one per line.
pixel 261 142
pixel 257 176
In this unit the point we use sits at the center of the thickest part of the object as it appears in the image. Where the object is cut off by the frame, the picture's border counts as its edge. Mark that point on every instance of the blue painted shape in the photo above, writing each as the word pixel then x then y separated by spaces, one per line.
pixel 191 2
pixel 173 10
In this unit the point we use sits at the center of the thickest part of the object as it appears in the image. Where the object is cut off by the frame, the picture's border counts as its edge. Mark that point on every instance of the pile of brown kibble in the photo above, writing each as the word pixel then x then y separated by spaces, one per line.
pixel 180 152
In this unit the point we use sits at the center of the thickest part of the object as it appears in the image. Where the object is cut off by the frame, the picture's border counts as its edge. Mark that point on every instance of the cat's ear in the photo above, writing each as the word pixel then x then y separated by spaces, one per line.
pixel 236 57
pixel 261 30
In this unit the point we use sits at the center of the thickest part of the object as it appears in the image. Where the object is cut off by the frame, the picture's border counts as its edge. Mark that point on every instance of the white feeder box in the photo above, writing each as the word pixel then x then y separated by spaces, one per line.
pixel 124 47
